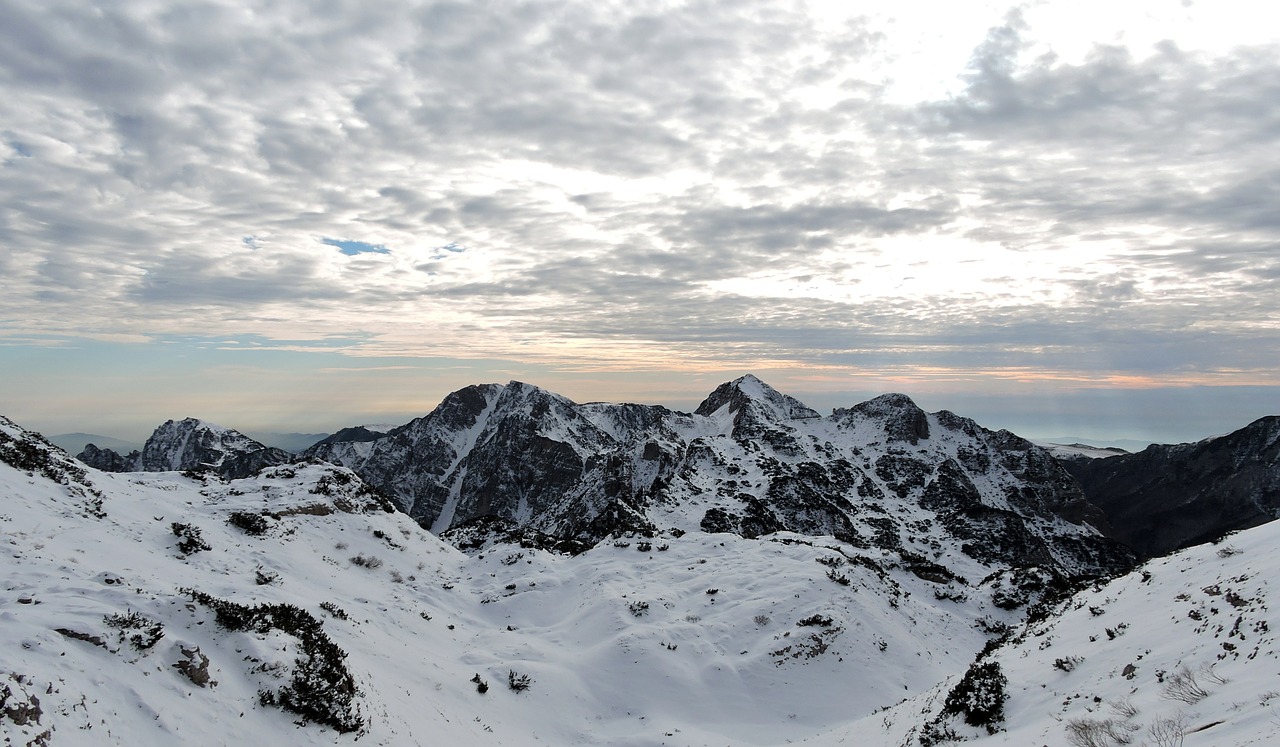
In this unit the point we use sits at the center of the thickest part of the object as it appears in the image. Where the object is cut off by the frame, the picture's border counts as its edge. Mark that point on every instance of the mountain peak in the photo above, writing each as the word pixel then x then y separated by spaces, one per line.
pixel 902 419
pixel 749 392
pixel 190 443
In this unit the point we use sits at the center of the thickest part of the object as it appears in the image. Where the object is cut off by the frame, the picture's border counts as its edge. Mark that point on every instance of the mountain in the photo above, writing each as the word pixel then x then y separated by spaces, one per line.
pixel 290 442
pixel 74 443
pixel 749 461
pixel 1077 450
pixel 190 444
pixel 1170 496
pixel 296 606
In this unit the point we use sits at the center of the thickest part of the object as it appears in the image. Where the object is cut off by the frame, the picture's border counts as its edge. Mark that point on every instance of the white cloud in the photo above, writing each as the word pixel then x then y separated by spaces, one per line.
pixel 714 181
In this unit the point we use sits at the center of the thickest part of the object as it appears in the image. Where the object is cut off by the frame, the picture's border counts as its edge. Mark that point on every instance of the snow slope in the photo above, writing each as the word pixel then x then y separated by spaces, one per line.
pixel 1180 653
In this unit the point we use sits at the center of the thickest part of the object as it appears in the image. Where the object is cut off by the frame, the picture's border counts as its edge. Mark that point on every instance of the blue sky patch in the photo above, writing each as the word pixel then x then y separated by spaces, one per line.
pixel 352 248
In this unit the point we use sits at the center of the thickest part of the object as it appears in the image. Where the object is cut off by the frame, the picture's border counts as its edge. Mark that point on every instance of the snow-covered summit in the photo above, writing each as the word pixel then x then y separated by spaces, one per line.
pixel 753 405
pixel 190 444
pixel 897 414
pixel 1082 451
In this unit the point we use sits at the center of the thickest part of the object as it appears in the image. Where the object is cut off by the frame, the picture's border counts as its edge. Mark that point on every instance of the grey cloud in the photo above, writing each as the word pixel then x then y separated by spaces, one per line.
pixel 774 228
pixel 158 134
pixel 180 279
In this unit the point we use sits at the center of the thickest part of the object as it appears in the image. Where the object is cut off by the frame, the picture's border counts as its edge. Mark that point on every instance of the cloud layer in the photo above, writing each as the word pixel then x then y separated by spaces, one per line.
pixel 640 185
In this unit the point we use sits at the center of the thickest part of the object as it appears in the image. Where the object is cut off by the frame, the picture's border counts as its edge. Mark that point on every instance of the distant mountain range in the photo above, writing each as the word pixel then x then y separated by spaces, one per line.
pixel 74 443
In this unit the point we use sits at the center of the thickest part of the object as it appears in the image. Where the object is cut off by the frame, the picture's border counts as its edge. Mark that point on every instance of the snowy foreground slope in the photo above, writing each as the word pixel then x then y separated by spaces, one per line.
pixel 295 607
pixel 111 629
pixel 1179 653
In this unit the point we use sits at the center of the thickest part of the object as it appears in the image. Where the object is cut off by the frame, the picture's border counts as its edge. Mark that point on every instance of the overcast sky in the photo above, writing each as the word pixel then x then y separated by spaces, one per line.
pixel 1058 217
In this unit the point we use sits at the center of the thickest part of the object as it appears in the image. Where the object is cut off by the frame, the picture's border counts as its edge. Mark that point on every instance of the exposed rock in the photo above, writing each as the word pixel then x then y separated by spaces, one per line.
pixel 1171 496
pixel 108 460
pixel 580 473
pixel 195 666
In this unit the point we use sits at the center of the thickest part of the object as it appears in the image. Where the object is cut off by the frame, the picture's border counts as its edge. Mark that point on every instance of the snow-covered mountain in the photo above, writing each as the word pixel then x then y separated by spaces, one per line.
pixel 1170 496
pixel 297 606
pixel 190 444
pixel 749 461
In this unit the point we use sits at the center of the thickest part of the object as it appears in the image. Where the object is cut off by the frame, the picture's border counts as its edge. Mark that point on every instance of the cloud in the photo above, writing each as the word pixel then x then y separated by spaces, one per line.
pixel 720 182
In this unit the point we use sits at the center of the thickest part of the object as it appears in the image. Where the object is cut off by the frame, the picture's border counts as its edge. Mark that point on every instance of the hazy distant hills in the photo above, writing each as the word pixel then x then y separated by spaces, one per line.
pixel 74 443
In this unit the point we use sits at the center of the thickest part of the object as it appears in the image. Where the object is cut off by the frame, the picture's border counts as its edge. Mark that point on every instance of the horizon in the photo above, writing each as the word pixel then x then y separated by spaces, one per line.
pixel 1064 437
pixel 1054 218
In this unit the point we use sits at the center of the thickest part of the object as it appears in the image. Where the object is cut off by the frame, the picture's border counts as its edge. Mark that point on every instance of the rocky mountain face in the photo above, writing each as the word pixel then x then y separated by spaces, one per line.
pixel 1171 496
pixel 749 461
pixel 190 444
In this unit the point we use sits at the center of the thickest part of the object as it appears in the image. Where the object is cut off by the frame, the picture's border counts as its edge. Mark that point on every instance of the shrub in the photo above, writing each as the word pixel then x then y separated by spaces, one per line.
pixel 936 732
pixel 518 682
pixel 1067 664
pixel 1168 731
pixel 838 577
pixel 815 620
pixel 321 688
pixel 1124 708
pixel 762 620
pixel 192 541
pixel 1105 733
pixel 1182 685
pixel 369 562
pixel 482 687
pixel 638 608
pixel 334 610
pixel 252 524
pixel 979 697
pixel 148 632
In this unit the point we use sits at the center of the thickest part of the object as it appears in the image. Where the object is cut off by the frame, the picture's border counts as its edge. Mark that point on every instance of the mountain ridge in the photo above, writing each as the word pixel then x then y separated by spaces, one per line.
pixel 1169 496
pixel 748 460
pixel 190 444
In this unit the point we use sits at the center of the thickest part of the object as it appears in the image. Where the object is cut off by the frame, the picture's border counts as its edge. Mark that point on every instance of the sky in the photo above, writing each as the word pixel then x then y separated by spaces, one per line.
pixel 1054 217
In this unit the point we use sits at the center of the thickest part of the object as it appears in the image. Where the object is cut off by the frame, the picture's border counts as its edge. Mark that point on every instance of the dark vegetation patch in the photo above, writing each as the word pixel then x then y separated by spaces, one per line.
pixel 321 688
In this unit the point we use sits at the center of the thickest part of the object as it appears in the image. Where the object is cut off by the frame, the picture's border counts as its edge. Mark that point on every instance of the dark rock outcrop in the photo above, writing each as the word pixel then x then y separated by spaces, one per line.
pixel 1170 496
